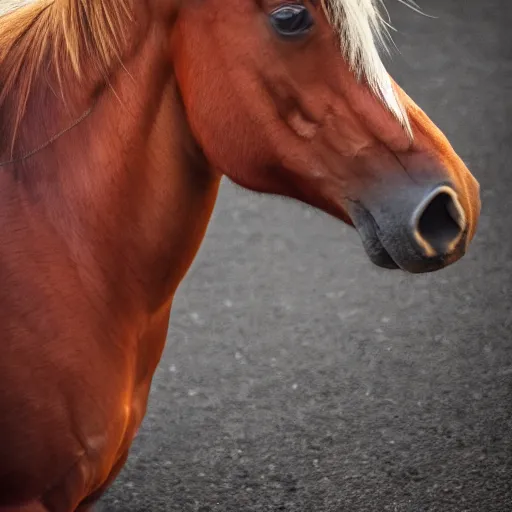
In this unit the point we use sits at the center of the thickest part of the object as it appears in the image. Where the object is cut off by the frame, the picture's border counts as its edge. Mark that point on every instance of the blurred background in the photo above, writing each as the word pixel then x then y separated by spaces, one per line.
pixel 298 377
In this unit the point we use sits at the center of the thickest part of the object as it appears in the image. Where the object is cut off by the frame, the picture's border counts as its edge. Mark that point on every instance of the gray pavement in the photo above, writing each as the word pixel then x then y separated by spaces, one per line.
pixel 298 377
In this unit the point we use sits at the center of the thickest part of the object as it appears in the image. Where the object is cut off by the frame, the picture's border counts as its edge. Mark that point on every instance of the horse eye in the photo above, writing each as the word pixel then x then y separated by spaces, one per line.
pixel 291 20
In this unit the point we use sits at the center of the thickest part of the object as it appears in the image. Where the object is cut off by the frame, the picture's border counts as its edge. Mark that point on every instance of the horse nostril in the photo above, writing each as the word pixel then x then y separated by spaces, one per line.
pixel 439 222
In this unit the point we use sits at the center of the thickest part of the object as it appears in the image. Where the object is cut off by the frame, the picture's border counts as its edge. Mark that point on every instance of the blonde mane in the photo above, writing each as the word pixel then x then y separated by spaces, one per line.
pixel 35 33
pixel 363 31
pixel 67 33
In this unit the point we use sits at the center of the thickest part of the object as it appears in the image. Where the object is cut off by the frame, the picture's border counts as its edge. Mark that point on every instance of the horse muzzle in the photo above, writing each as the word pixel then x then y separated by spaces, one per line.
pixel 418 228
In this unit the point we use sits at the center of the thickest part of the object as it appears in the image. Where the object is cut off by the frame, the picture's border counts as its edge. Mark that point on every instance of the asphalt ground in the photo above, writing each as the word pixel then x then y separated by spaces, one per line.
pixel 298 377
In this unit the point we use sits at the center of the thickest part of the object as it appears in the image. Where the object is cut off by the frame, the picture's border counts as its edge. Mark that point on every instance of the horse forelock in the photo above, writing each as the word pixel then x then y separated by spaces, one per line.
pixel 62 34
pixel 363 31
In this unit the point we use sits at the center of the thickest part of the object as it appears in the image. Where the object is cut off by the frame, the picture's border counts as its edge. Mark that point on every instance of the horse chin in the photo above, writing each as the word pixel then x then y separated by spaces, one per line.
pixel 378 254
pixel 367 229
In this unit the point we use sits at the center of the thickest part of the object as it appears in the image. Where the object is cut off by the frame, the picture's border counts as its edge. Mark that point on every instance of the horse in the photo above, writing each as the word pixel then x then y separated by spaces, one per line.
pixel 118 122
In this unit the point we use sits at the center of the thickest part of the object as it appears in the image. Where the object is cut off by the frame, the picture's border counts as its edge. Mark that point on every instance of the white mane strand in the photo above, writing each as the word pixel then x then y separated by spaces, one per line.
pixel 7 6
pixel 363 30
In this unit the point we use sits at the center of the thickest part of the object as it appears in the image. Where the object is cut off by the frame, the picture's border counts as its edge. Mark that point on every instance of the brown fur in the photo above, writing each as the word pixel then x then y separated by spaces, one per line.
pixel 98 229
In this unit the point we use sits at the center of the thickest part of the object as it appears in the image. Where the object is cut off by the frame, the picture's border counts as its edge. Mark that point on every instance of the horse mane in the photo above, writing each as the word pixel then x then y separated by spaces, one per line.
pixel 76 35
pixel 363 30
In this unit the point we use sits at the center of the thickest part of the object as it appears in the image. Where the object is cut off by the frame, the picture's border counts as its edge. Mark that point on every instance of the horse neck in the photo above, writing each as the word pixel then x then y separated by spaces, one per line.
pixel 127 190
